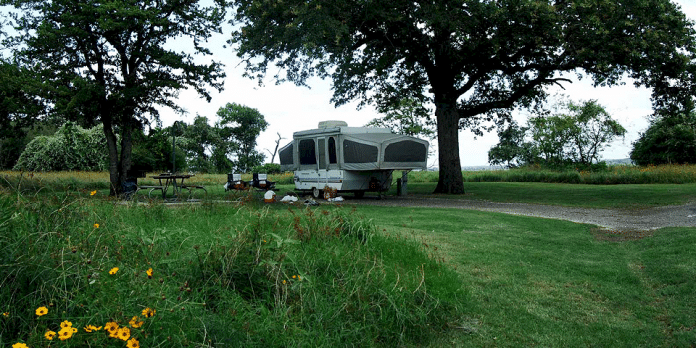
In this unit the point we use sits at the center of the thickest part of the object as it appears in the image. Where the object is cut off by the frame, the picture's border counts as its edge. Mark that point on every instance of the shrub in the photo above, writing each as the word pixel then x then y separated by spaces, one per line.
pixel 70 148
pixel 268 168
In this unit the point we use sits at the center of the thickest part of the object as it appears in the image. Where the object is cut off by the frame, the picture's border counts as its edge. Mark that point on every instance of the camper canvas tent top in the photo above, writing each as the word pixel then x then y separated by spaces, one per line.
pixel 352 159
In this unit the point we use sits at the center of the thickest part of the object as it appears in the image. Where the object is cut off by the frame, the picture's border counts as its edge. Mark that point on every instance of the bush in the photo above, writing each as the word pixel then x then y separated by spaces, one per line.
pixel 268 168
pixel 70 148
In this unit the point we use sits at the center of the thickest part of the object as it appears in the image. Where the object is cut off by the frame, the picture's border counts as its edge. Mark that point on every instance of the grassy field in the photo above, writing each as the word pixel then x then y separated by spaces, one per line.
pixel 247 273
pixel 558 284
pixel 663 189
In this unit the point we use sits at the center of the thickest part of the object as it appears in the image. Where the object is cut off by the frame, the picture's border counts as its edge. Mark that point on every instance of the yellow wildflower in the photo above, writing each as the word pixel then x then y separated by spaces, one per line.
pixel 133 343
pixel 124 333
pixel 90 328
pixel 41 311
pixel 19 345
pixel 65 333
pixel 93 193
pixel 149 273
pixel 96 225
pixel 65 324
pixel 135 322
pixel 50 335
pixel 113 270
pixel 6 314
pixel 148 312
pixel 111 326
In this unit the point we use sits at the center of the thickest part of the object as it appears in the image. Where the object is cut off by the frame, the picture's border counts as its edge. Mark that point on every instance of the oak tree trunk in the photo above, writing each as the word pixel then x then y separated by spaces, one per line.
pixel 450 179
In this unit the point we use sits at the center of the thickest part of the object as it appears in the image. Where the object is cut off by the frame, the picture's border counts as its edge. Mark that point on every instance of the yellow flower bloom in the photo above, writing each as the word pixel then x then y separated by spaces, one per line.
pixel 93 193
pixel 133 343
pixel 65 324
pixel 135 322
pixel 124 333
pixel 91 328
pixel 96 225
pixel 148 312
pixel 113 270
pixel 6 314
pixel 149 273
pixel 19 345
pixel 111 326
pixel 65 333
pixel 41 311
pixel 50 335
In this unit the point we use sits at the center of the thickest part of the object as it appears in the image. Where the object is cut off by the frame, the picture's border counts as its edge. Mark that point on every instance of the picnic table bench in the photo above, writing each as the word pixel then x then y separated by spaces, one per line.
pixel 175 181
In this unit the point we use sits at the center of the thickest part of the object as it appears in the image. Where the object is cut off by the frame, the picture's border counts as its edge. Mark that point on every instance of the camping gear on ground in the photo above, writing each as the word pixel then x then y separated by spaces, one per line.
pixel 269 197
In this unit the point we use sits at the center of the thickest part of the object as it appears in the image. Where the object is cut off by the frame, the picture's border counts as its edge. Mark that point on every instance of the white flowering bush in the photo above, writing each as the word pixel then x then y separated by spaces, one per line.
pixel 70 148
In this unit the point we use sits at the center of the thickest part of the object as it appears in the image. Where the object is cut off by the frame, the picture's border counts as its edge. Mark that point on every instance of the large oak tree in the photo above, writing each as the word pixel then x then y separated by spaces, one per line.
pixel 475 60
pixel 115 61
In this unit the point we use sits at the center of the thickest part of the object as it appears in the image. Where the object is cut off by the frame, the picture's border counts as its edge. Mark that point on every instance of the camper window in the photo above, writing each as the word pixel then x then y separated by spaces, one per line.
pixel 354 152
pixel 332 150
pixel 307 152
pixel 405 151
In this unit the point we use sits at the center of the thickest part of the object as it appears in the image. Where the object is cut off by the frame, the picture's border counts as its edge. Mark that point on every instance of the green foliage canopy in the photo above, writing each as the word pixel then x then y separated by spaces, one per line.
pixel 669 139
pixel 410 117
pixel 474 60
pixel 575 135
pixel 112 61
pixel 18 111
pixel 238 128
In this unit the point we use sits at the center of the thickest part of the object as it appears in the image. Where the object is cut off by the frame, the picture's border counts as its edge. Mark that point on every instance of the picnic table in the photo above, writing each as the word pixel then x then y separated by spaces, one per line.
pixel 174 181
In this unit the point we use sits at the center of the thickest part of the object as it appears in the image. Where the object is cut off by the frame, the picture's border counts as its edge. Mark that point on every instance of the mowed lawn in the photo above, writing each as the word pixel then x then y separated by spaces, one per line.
pixel 575 195
pixel 541 282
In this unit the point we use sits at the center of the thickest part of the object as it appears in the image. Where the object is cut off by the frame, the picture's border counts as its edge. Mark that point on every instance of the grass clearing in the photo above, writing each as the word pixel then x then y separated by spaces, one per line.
pixel 539 282
pixel 572 195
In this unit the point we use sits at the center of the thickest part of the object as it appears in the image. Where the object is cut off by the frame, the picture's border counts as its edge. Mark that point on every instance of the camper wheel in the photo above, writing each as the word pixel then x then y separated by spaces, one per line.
pixel 316 193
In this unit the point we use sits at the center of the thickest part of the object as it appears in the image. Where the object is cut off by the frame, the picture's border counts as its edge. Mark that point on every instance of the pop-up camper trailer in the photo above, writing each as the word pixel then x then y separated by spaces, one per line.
pixel 350 159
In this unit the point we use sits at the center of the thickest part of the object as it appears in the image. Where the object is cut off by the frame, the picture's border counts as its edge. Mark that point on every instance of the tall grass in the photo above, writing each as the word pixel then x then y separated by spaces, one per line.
pixel 663 174
pixel 215 275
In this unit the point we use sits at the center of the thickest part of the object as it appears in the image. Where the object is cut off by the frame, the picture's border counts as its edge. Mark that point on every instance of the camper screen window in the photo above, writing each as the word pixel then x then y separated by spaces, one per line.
pixel 332 150
pixel 307 152
pixel 359 153
pixel 405 151
pixel 286 155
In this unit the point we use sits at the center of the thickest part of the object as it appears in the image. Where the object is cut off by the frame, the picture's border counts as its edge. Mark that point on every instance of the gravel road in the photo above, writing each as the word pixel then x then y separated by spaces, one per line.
pixel 613 219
